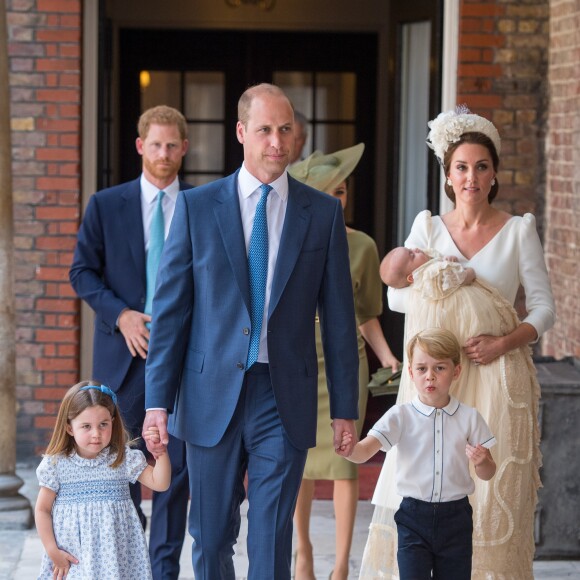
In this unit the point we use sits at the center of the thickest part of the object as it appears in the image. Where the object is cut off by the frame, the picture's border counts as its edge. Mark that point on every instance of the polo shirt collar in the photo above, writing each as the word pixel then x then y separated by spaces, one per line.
pixel 427 410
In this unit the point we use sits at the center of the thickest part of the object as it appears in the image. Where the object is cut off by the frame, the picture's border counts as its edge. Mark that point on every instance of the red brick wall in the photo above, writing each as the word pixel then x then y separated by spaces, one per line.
pixel 502 68
pixel 44 44
pixel 563 177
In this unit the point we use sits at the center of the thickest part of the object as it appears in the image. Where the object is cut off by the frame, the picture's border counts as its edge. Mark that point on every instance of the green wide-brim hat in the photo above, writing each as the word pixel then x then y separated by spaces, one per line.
pixel 326 172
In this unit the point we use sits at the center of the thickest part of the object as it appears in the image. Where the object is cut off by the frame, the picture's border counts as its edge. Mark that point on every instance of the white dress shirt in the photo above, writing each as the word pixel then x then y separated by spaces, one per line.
pixel 149 194
pixel 249 194
pixel 431 461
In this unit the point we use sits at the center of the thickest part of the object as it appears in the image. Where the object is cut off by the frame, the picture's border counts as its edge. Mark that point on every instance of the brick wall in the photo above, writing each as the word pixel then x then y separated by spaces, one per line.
pixel 562 238
pixel 503 59
pixel 44 46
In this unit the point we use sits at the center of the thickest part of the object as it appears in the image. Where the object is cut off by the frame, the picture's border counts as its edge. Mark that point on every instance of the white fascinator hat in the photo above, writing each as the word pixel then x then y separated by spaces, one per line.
pixel 449 126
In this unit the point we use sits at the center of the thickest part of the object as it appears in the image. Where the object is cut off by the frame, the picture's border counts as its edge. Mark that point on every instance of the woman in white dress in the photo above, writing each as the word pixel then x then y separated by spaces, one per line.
pixel 505 252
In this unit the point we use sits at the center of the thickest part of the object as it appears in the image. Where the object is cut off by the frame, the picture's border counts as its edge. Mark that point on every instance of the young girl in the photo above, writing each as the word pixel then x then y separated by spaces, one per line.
pixel 84 514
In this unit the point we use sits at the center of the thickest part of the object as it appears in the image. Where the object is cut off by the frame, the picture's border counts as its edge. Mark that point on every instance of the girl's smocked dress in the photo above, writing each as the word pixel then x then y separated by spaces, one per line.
pixel 94 518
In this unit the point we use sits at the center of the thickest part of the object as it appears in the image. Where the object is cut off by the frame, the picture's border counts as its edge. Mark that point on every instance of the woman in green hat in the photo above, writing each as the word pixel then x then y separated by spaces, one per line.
pixel 329 173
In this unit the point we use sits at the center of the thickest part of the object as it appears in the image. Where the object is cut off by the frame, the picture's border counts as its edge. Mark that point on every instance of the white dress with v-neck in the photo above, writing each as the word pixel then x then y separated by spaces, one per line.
pixel 505 392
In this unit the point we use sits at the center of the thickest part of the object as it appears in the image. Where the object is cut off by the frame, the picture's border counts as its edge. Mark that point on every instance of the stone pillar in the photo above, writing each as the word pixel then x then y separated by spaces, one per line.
pixel 15 510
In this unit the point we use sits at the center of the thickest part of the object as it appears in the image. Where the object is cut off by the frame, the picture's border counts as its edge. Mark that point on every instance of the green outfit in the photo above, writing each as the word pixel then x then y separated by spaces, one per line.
pixel 322 461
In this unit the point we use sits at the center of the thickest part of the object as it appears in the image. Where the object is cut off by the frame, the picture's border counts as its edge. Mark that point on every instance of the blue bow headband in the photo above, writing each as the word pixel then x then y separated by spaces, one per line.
pixel 104 389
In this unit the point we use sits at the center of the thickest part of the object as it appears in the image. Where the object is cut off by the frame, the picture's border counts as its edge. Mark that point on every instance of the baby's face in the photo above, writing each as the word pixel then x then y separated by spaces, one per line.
pixel 409 259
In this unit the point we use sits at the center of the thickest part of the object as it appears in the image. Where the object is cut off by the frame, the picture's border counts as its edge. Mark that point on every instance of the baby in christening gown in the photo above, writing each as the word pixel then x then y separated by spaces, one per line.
pixel 448 295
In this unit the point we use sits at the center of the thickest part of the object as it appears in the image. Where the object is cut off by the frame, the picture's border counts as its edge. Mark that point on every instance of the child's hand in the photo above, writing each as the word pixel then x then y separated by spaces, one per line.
pixel 477 455
pixel 152 434
pixel 469 276
pixel 61 562
pixel 345 443
pixel 481 458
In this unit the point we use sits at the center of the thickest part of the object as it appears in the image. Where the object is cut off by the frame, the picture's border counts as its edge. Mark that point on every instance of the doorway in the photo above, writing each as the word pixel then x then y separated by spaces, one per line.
pixel 330 77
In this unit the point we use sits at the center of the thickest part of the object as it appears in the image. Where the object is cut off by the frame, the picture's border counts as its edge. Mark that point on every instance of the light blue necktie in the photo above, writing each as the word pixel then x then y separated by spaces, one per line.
pixel 258 272
pixel 156 241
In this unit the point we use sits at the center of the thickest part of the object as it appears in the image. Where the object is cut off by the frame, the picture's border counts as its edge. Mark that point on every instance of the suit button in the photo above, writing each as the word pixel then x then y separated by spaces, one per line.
pixel 143 300
pixel 240 366
pixel 246 331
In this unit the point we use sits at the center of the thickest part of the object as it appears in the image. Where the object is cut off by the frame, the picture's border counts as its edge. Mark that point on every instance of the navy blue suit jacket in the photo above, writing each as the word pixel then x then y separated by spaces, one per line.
pixel 200 331
pixel 109 272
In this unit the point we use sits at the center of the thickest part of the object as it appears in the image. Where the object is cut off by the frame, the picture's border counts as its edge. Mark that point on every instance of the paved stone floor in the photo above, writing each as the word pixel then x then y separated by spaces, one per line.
pixel 20 551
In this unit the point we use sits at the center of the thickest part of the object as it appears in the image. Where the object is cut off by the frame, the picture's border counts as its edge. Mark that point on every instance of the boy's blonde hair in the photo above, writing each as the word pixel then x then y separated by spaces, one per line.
pixel 438 343
pixel 74 403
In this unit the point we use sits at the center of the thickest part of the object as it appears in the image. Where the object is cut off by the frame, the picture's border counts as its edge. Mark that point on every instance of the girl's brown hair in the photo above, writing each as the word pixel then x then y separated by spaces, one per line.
pixel 74 403
pixel 473 138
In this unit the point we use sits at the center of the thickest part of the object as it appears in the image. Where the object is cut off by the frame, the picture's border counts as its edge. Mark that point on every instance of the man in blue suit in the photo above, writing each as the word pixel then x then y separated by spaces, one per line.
pixel 109 273
pixel 237 415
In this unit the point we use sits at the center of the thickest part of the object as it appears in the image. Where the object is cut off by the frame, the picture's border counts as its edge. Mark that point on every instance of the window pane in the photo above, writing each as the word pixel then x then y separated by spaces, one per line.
pixel 336 96
pixel 414 106
pixel 298 87
pixel 160 88
pixel 206 147
pixel 204 95
pixel 330 138
pixel 329 102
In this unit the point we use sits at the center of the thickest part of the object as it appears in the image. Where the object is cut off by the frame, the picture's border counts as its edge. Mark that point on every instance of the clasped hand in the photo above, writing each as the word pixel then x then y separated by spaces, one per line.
pixel 345 436
pixel 483 349
pixel 155 432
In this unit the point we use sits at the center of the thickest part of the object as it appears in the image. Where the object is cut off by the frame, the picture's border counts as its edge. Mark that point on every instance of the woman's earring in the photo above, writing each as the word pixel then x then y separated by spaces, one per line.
pixel 449 182
pixel 493 182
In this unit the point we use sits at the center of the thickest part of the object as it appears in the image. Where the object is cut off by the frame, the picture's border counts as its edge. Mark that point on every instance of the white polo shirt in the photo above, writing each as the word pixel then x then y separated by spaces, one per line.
pixel 431 461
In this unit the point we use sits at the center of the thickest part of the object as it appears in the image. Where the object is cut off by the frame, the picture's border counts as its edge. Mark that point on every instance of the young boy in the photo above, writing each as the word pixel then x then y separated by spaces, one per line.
pixel 436 438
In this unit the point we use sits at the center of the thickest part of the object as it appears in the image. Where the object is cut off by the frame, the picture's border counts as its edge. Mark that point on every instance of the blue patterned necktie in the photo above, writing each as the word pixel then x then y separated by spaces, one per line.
pixel 258 271
pixel 156 241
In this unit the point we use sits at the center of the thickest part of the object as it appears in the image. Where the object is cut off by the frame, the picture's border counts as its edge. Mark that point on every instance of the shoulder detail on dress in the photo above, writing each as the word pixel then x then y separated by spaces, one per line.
pixel 529 219
pixel 422 219
pixel 52 459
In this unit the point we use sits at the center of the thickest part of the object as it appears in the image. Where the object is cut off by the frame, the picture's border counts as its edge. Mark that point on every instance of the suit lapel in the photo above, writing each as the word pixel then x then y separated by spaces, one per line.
pixel 229 220
pixel 296 225
pixel 132 223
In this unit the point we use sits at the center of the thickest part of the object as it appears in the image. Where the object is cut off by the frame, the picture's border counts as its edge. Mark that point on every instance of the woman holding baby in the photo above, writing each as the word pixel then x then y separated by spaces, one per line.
pixel 505 253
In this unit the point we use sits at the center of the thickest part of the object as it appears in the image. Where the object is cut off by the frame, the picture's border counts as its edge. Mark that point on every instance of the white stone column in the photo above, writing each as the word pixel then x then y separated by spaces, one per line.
pixel 15 510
